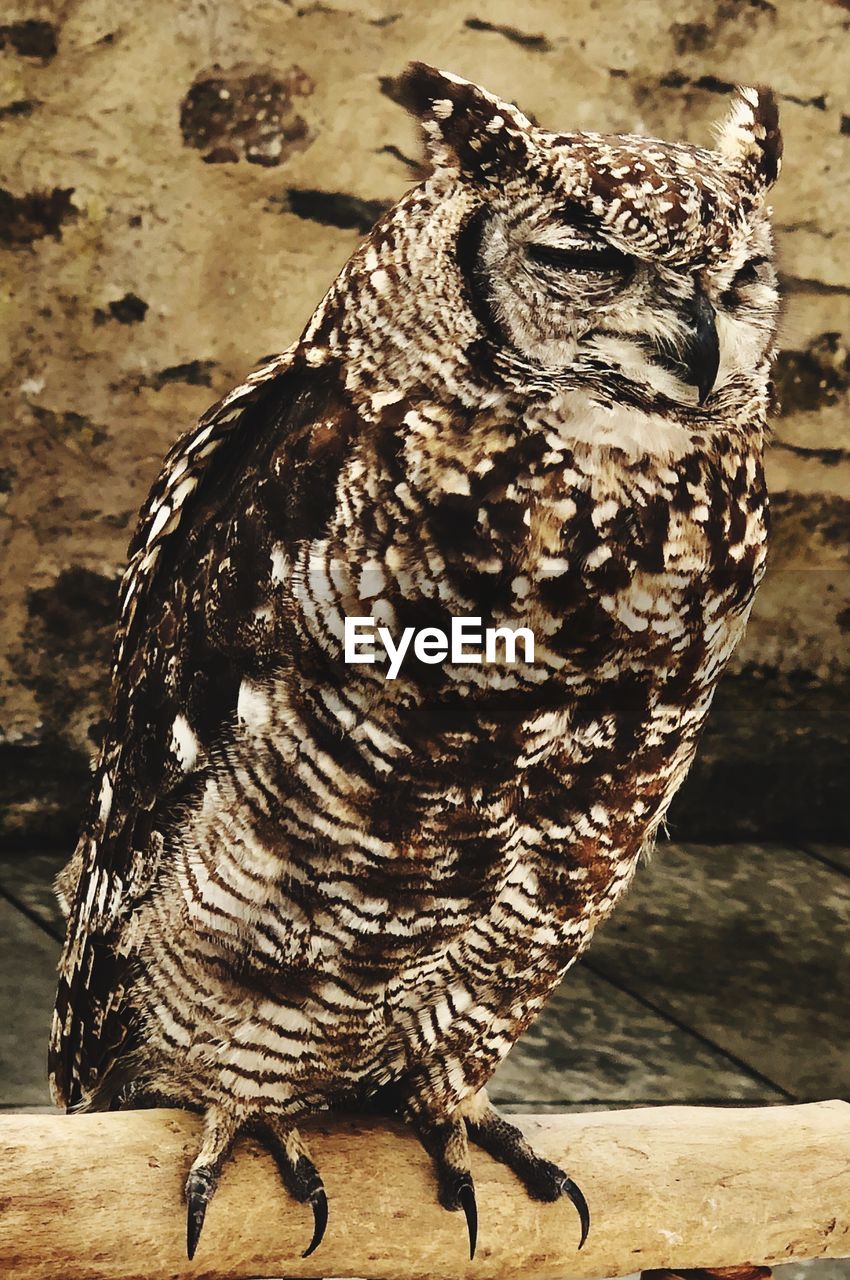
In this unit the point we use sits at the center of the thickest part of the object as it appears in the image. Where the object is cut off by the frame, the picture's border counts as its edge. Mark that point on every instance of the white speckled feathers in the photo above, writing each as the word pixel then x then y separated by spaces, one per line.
pixel 537 395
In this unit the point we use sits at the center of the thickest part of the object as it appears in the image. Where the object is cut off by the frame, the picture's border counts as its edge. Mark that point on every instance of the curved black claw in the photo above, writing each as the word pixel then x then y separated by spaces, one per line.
pixel 200 1186
pixel 319 1204
pixel 569 1188
pixel 466 1196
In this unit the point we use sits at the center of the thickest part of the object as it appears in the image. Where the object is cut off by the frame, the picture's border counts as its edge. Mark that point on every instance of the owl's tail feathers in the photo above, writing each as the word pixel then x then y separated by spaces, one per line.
pixel 542 1179
pixel 300 1175
pixel 445 1141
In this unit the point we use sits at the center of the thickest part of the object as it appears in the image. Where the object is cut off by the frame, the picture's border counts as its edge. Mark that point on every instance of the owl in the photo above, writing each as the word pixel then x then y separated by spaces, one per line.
pixel 535 397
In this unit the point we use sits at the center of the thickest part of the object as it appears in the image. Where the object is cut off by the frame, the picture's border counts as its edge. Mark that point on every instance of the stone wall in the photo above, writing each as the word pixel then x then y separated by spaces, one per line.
pixel 182 179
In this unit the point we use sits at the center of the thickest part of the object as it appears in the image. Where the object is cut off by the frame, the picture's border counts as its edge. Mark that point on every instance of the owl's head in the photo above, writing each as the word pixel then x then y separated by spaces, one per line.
pixel 624 260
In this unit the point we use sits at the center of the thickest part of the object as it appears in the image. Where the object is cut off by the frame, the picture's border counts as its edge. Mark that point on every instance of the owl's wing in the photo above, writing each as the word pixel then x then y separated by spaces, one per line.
pixel 187 633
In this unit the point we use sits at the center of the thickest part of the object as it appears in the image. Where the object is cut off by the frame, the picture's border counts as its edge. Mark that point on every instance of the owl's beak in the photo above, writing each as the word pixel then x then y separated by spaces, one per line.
pixel 701 355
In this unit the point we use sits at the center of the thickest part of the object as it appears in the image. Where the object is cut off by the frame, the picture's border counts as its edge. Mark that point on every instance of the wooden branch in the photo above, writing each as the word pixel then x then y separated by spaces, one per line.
pixel 99 1197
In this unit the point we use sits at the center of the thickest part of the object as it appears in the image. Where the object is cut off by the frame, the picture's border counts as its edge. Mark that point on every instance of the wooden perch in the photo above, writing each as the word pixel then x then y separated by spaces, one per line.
pixel 99 1197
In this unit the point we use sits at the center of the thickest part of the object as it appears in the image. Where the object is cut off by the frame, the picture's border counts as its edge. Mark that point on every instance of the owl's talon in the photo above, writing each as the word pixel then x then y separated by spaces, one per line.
pixel 300 1175
pixel 574 1192
pixel 319 1204
pixel 200 1185
pixel 542 1179
pixel 444 1138
pixel 466 1196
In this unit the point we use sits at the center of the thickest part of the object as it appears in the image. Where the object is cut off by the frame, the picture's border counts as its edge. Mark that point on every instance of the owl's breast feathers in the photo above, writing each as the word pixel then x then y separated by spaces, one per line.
pixel 296 503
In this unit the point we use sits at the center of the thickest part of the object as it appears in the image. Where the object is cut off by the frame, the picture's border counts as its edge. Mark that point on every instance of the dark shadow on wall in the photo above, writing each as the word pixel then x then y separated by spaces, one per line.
pixel 772 763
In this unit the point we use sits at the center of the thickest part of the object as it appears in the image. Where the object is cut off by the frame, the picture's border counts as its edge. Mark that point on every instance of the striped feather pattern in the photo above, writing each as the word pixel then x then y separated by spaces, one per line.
pixel 300 884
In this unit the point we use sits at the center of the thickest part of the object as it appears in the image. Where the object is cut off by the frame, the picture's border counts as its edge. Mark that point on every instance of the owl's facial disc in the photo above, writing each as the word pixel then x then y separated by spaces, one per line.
pixel 618 258
pixel 560 293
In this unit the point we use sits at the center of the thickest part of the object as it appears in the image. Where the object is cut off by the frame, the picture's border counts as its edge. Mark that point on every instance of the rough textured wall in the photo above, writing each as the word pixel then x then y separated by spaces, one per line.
pixel 180 182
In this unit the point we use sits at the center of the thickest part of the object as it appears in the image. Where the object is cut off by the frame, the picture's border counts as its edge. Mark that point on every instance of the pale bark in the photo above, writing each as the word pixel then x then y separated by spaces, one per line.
pixel 100 1198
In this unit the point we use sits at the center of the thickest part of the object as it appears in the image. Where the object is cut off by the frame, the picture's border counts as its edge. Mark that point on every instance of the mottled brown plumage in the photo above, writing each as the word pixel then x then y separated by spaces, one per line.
pixel 535 395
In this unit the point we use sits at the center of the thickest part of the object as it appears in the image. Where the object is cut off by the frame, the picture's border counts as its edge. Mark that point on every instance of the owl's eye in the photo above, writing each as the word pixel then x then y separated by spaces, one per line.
pixel 605 259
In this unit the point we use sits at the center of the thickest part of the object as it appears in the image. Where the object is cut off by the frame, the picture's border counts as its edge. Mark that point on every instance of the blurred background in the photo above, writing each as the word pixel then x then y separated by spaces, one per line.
pixel 180 181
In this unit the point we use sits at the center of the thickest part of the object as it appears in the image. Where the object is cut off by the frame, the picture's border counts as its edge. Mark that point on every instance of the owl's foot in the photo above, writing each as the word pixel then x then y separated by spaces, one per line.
pixel 445 1141
pixel 300 1175
pixel 220 1132
pixel 542 1179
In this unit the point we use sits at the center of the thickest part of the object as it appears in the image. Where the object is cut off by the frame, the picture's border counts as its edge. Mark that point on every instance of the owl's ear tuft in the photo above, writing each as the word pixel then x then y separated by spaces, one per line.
pixel 750 136
pixel 466 129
